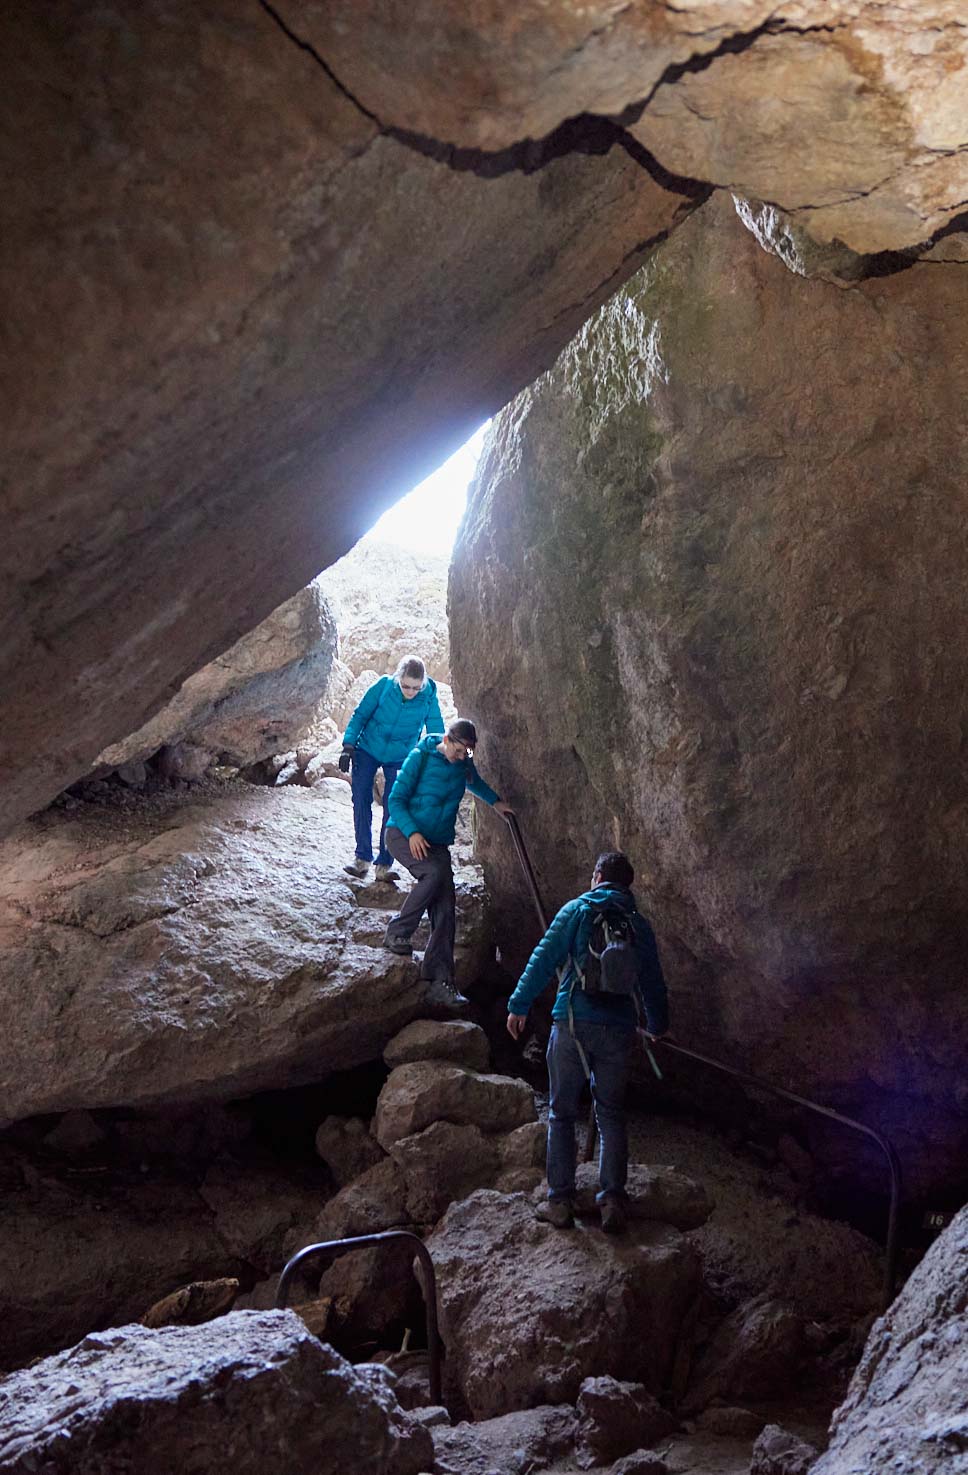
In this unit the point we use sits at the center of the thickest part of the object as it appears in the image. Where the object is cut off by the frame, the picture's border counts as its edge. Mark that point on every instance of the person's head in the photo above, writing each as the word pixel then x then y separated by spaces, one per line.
pixel 612 867
pixel 459 740
pixel 411 677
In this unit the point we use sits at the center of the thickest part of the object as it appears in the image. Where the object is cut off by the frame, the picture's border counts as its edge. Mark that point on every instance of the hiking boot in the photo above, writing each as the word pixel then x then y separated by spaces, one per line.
pixel 615 1220
pixel 400 945
pixel 387 873
pixel 558 1212
pixel 357 867
pixel 446 992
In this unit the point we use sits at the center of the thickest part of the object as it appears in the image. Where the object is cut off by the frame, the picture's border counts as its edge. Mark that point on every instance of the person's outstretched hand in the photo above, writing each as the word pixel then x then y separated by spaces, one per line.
pixel 503 808
pixel 516 1023
pixel 419 848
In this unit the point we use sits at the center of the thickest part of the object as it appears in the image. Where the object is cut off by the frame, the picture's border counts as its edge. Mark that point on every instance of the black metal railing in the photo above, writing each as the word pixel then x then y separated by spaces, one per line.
pixel 756 1082
pixel 337 1246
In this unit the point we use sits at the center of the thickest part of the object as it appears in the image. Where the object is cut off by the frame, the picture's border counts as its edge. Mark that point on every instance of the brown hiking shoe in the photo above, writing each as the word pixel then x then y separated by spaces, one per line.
pixel 614 1218
pixel 558 1212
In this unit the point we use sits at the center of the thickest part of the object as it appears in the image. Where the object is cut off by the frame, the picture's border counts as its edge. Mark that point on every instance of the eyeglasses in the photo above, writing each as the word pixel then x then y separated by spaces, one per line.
pixel 459 748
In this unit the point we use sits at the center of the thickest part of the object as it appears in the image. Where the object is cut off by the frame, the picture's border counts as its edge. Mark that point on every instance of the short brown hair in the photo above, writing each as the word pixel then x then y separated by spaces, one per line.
pixel 464 732
pixel 413 668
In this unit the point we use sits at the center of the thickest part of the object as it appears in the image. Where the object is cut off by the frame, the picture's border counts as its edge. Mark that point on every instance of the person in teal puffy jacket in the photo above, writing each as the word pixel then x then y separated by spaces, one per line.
pixel 381 732
pixel 592 1033
pixel 423 813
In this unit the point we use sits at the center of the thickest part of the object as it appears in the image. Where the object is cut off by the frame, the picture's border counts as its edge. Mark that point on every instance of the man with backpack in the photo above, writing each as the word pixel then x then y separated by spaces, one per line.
pixel 609 976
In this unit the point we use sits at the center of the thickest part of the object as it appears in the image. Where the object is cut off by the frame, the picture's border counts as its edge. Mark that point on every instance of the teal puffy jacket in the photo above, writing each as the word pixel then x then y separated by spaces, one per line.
pixel 566 941
pixel 428 791
pixel 387 726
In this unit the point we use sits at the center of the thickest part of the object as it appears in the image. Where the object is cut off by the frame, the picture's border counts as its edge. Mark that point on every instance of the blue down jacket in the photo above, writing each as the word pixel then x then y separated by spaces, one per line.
pixel 387 726
pixel 428 791
pixel 566 941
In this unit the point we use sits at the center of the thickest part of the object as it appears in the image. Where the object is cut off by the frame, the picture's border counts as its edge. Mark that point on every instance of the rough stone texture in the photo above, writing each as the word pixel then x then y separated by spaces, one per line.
pixel 256 1210
pixel 346 1147
pixel 616 1418
pixel 514 1444
pixel 525 1146
pixel 78 1252
pixel 850 112
pixel 658 1193
pixel 390 602
pixel 905 1408
pixel 257 698
pixel 253 1392
pixel 200 1301
pixel 716 547
pixel 376 1200
pixel 456 1040
pixel 757 1240
pixel 736 1423
pixel 754 1353
pixel 250 319
pixel 373 1293
pixel 170 955
pixel 442 1164
pixel 429 1091
pixel 527 1312
pixel 640 1462
pixel 778 1452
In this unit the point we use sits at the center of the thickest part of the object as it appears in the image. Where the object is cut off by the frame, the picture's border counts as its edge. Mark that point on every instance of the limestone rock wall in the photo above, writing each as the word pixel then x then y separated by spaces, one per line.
pixel 263 268
pixel 905 1408
pixel 196 948
pixel 848 112
pixel 239 317
pixel 705 605
pixel 256 699
pixel 390 603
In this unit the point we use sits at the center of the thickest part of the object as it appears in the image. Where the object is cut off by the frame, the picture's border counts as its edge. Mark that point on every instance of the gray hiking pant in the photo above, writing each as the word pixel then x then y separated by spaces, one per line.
pixel 433 894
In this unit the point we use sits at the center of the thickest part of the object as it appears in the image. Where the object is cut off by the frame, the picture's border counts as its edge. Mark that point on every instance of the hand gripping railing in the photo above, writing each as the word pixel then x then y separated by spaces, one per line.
pixel 885 1145
pixel 335 1246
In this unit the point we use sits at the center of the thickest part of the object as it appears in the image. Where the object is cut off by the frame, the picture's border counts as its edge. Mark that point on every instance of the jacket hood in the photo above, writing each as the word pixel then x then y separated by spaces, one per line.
pixel 430 743
pixel 609 894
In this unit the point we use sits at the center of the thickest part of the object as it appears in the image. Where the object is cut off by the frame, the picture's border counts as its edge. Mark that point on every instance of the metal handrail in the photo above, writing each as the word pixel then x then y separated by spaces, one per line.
pixel 884 1143
pixel 430 1296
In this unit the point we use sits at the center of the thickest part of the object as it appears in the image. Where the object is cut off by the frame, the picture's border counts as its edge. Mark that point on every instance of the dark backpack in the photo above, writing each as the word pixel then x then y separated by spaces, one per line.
pixel 612 964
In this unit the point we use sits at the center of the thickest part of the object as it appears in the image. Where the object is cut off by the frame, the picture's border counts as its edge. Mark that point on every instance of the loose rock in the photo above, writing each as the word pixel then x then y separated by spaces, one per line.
pixel 457 1040
pixel 254 1393
pixel 615 1418
pixel 755 1353
pixel 513 1444
pixel 442 1164
pixel 905 1408
pixel 528 1312
pixel 346 1147
pixel 778 1452
pixel 193 1304
pixel 427 1091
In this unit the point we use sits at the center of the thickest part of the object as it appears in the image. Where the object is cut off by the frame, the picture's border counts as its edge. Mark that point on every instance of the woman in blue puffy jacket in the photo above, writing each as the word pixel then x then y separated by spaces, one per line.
pixel 385 726
pixel 423 814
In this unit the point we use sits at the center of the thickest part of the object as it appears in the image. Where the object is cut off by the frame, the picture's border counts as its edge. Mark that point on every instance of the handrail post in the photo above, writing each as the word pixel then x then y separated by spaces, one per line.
pixel 884 1143
pixel 331 1246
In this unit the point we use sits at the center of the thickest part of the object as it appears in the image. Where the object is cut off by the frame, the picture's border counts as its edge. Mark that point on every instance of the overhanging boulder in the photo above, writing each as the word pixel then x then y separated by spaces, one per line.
pixel 196 948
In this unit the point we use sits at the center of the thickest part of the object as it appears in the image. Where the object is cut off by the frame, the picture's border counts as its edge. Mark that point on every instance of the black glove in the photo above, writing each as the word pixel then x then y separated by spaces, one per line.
pixel 344 759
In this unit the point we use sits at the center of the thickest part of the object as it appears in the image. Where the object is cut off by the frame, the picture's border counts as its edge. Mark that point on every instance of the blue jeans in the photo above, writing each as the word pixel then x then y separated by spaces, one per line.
pixel 608 1050
pixel 364 772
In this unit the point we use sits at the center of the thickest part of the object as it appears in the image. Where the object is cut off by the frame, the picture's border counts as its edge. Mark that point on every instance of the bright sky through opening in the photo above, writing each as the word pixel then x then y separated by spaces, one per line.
pixel 426 520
